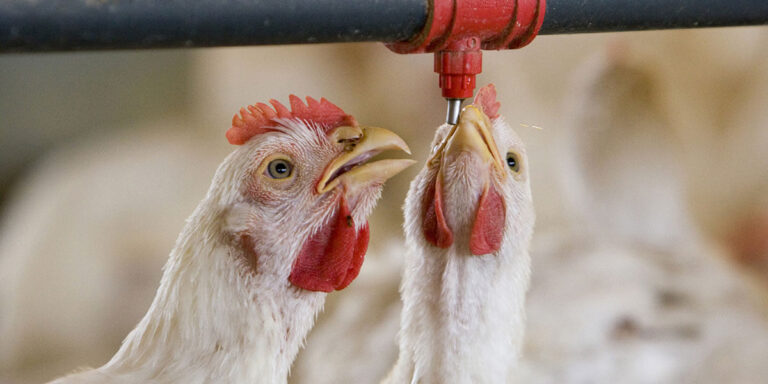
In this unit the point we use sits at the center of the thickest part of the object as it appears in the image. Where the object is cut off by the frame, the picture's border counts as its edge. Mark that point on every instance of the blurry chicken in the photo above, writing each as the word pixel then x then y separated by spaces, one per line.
pixel 640 297
pixel 283 223
pixel 468 223
pixel 621 161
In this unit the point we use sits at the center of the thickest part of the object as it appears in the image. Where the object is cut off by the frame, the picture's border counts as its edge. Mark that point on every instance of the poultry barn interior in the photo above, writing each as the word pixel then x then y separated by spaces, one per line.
pixel 649 173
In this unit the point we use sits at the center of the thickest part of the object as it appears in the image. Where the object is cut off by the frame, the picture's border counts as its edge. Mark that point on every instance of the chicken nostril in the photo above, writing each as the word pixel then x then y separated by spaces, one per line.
pixel 349 145
pixel 346 134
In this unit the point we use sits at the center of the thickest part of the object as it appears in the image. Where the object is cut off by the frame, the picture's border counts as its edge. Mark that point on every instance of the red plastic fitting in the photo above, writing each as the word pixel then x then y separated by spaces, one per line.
pixel 457 30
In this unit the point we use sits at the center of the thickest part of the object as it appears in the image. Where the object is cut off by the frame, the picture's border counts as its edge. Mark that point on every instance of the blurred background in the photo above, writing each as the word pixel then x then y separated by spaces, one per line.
pixel 649 156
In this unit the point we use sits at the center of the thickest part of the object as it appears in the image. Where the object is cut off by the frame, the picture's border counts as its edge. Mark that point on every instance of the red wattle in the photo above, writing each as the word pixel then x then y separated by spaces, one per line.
pixel 357 257
pixel 488 228
pixel 331 258
pixel 435 228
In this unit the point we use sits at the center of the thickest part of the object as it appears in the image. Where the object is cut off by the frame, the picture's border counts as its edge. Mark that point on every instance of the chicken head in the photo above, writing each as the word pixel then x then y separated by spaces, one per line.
pixel 305 187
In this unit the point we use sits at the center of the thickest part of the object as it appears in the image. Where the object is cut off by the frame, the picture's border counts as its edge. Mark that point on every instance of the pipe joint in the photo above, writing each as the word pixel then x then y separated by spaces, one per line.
pixel 457 30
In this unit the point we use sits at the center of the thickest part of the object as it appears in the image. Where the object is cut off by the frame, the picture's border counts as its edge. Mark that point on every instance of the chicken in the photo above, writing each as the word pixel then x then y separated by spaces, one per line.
pixel 468 223
pixel 640 296
pixel 283 223
pixel 617 120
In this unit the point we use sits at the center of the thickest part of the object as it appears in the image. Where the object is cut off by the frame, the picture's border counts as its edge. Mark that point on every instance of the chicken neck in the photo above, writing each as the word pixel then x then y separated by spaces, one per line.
pixel 463 315
pixel 214 319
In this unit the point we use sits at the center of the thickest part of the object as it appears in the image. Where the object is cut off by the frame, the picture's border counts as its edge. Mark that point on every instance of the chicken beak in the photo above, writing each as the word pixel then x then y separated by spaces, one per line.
pixel 473 135
pixel 361 144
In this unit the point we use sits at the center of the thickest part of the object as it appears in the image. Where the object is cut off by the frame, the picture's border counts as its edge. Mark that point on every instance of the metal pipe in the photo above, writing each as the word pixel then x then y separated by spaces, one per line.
pixel 582 16
pixel 55 25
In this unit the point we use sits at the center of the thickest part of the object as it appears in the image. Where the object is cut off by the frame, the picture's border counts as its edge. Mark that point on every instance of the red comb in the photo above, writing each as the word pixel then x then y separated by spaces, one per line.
pixel 260 118
pixel 486 100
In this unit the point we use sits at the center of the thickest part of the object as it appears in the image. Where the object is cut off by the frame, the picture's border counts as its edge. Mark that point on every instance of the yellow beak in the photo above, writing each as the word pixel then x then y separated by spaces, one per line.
pixel 361 144
pixel 472 134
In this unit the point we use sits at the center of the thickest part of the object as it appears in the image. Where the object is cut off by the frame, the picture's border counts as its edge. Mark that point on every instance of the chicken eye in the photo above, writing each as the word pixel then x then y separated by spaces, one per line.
pixel 512 162
pixel 279 169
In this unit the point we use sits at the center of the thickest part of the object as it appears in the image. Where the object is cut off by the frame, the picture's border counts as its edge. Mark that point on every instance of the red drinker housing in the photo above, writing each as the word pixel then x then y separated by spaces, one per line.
pixel 457 30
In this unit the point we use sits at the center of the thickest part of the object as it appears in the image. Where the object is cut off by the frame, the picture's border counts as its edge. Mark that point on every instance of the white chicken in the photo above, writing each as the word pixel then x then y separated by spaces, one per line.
pixel 468 223
pixel 283 223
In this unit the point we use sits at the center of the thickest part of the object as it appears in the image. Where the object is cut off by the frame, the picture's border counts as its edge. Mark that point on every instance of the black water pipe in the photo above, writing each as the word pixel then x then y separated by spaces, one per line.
pixel 57 25
pixel 50 25
pixel 582 16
